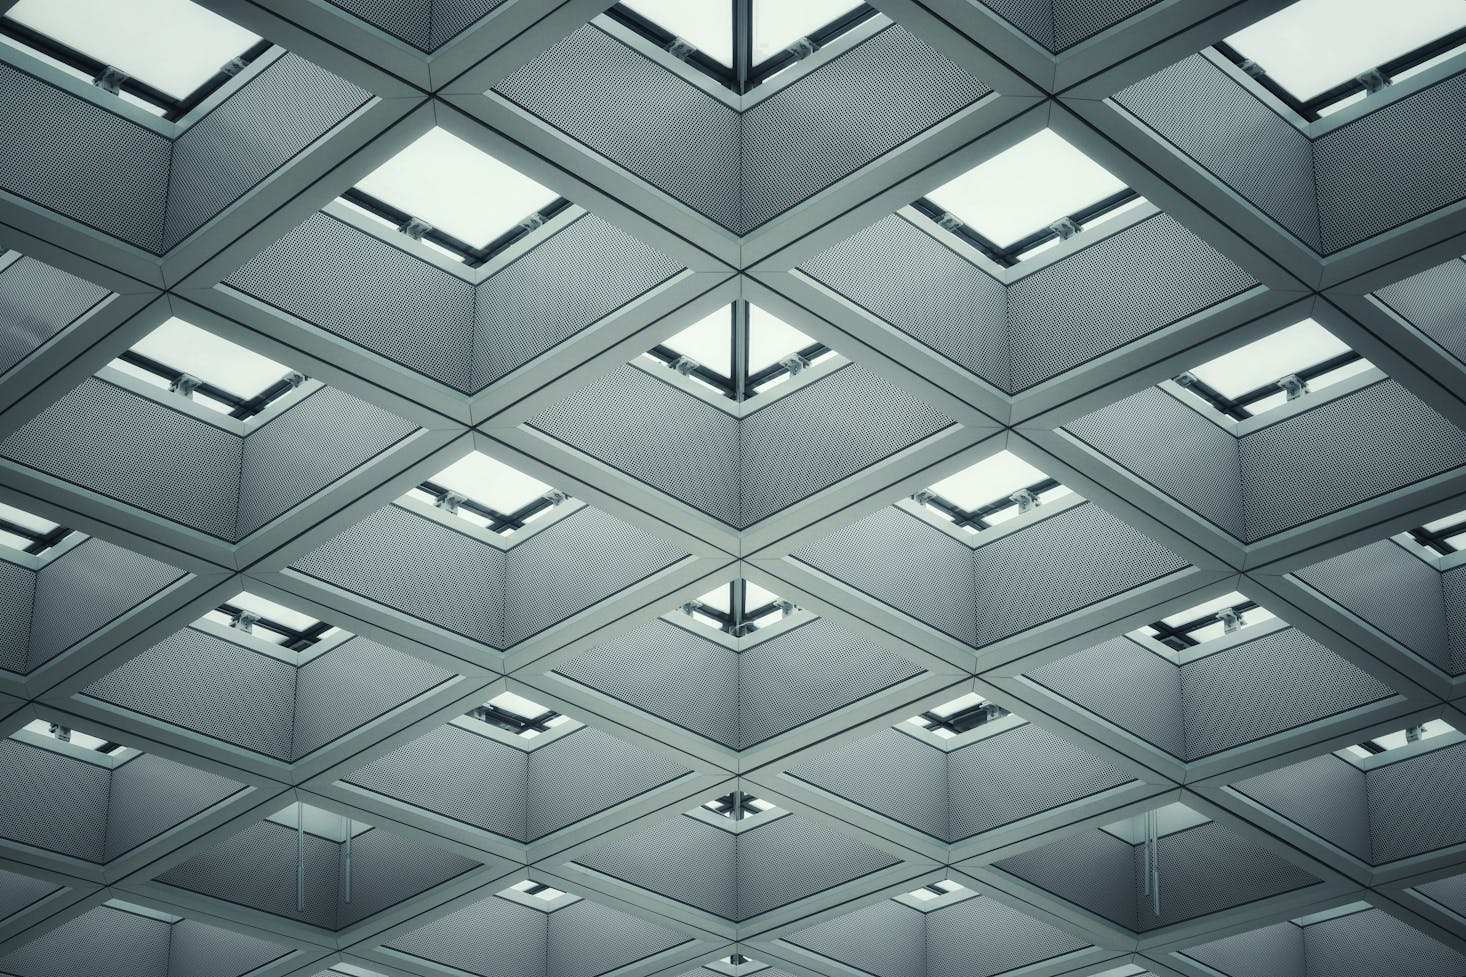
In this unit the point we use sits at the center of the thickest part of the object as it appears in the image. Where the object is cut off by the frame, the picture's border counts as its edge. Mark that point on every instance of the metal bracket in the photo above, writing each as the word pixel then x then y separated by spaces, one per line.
pixel 801 48
pixel 185 385
pixel 1373 80
pixel 110 80
pixel 450 502
pixel 1252 69
pixel 1231 620
pixel 681 49
pixel 1065 227
pixel 923 497
pixel 555 497
pixel 532 222
pixel 62 733
pixel 294 379
pixel 794 363
pixel 415 228
pixel 685 365
pixel 1293 385
pixel 244 621
pixel 1026 500
pixel 950 222
pixel 233 67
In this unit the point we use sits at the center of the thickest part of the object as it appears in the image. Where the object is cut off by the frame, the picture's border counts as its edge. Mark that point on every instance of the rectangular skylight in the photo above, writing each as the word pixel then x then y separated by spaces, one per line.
pixel 779 23
pixel 212 359
pixel 709 341
pixel 23 521
pixel 84 741
pixel 272 611
pixel 1393 741
pixel 991 480
pixel 1314 45
pixel 1260 364
pixel 771 339
pixel 173 45
pixel 457 188
pixel 1026 188
pixel 491 483
pixel 705 24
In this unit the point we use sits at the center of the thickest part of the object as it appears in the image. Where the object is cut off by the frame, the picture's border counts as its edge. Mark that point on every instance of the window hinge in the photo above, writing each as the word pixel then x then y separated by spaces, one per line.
pixel 244 621
pixel 233 67
pixel 1025 499
pixel 1065 227
pixel 794 363
pixel 1293 385
pixel 1373 80
pixel 450 501
pixel 110 80
pixel 184 385
pixel 415 228
pixel 801 49
pixel 685 365
pixel 1231 620
pixel 681 49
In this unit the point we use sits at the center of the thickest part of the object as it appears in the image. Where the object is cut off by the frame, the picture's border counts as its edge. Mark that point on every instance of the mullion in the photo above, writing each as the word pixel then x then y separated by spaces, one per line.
pixel 240 408
pixel 743 44
pixel 1182 632
pixel 775 63
pixel 295 640
pixel 500 522
pixel 663 38
pixel 38 542
pixel 1434 538
pixel 1236 407
pixel 513 721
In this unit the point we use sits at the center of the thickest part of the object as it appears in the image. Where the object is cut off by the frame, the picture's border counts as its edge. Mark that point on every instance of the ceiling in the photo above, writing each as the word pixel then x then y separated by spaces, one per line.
pixel 641 690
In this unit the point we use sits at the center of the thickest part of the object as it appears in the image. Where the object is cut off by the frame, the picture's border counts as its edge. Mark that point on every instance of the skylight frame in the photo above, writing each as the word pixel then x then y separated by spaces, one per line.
pixel 169 107
pixel 1447 537
pixel 1180 636
pixel 288 637
pixel 1315 107
pixel 38 541
pixel 471 256
pixel 742 385
pixel 740 619
pixel 237 406
pixel 481 514
pixel 744 74
pixel 1240 406
pixel 979 518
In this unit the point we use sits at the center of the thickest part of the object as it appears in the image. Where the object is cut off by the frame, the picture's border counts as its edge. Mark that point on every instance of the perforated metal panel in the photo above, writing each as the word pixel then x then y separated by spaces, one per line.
pixel 907 278
pixel 586 939
pixel 1091 868
pixel 890 773
pixel 1115 291
pixel 790 858
pixel 1078 20
pixel 1279 947
pixel 419 567
pixel 227 153
pixel 1125 684
pixel 492 937
pixel 984 938
pixel 1410 801
pixel 17 892
pixel 622 105
pixel 40 783
pixel 532 306
pixel 819 434
pixel 1432 302
pixel 17 592
pixel 185 469
pixel 151 794
pixel 694 456
pixel 215 687
pixel 1203 472
pixel 101 943
pixel 886 939
pixel 1259 688
pixel 1325 795
pixel 82 161
pixel 565 568
pixel 934 566
pixel 843 115
pixel 1411 154
pixel 1059 565
pixel 1241 141
pixel 37 301
pixel 1375 942
pixel 585 773
pixel 85 589
pixel 414 313
pixel 680 858
pixel 1353 448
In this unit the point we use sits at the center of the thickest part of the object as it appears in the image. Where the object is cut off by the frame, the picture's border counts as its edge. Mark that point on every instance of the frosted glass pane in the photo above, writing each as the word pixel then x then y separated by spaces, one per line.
pixel 709 341
pixel 706 24
pixel 1270 358
pixel 1026 188
pixel 212 359
pixel 1313 45
pixel 457 188
pixel 173 45
pixel 988 481
pixel 779 23
pixel 489 482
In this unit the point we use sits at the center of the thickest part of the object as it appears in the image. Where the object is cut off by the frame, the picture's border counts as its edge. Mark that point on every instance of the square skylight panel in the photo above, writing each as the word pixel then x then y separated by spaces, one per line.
pixel 173 45
pixel 1314 45
pixel 21 520
pixel 457 188
pixel 709 341
pixel 771 339
pixel 490 483
pixel 1265 361
pixel 212 359
pixel 779 23
pixel 705 24
pixel 1026 188
pixel 990 480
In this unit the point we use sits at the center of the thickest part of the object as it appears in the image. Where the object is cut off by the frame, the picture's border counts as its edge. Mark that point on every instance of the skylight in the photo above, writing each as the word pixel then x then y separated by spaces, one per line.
pixel 456 188
pixel 30 534
pixel 1024 189
pixel 705 24
pixel 538 890
pixel 230 374
pixel 270 621
pixel 982 495
pixel 489 493
pixel 778 23
pixel 738 608
pixel 1401 737
pixel 173 45
pixel 1244 382
pixel 76 738
pixel 1200 624
pixel 952 719
pixel 709 341
pixel 1444 536
pixel 518 715
pixel 738 806
pixel 1314 45
pixel 771 339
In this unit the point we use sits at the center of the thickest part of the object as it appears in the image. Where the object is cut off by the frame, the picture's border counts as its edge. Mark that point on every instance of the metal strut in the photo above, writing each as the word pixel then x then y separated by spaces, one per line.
pixel 299 857
pixel 1152 884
